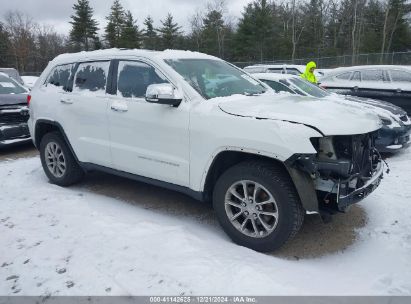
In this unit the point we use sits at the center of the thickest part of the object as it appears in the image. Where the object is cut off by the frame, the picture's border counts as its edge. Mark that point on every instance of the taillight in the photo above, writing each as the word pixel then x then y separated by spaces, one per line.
pixel 28 99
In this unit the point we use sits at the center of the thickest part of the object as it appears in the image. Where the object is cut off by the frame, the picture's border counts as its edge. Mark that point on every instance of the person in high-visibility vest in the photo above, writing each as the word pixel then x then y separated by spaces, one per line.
pixel 309 72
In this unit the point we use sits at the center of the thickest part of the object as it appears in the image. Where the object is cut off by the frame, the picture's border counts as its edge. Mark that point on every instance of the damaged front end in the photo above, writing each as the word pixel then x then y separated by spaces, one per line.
pixel 343 172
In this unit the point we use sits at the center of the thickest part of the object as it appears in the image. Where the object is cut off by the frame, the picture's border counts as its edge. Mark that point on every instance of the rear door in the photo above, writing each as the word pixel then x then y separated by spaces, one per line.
pixel 84 113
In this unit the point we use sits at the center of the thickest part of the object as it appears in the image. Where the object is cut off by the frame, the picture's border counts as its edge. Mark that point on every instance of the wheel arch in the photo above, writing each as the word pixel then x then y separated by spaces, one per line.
pixel 44 126
pixel 228 158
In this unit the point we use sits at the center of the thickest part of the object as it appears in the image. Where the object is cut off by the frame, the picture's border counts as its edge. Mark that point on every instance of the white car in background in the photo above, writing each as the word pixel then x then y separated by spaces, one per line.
pixel 390 83
pixel 196 124
pixel 292 69
pixel 29 81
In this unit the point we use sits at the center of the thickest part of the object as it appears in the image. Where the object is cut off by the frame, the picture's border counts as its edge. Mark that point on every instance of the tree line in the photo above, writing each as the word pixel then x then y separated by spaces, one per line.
pixel 267 30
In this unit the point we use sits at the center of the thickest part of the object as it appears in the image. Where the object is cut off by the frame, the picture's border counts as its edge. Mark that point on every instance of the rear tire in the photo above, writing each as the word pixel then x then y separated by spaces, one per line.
pixel 257 205
pixel 58 161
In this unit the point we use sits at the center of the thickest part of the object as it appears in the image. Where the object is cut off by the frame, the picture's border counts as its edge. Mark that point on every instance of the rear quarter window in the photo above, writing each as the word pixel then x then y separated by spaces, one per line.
pixel 59 76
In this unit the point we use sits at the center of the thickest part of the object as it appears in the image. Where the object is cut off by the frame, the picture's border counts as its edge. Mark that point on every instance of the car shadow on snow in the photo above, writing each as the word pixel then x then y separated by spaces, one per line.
pixel 315 238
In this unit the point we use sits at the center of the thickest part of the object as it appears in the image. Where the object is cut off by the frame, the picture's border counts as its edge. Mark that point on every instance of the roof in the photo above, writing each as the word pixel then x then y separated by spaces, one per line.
pixel 282 65
pixel 366 67
pixel 114 53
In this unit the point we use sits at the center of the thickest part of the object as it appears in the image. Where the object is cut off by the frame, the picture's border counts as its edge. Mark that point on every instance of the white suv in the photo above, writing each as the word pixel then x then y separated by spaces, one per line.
pixel 197 124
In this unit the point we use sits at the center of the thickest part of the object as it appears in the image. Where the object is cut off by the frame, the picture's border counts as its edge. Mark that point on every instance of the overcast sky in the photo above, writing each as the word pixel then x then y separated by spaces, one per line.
pixel 57 12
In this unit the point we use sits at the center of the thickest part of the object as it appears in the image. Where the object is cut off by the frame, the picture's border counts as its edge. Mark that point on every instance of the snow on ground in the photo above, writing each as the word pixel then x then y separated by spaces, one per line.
pixel 70 241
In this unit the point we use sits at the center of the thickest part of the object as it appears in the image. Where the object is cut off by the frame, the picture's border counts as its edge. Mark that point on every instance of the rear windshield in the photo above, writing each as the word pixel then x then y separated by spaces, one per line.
pixel 10 86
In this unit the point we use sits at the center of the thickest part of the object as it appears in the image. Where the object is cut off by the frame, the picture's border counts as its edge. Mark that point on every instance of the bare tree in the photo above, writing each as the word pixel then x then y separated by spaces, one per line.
pixel 20 28
pixel 196 24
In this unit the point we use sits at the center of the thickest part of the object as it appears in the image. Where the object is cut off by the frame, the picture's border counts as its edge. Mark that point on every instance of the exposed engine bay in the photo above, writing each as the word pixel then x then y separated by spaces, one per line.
pixel 344 171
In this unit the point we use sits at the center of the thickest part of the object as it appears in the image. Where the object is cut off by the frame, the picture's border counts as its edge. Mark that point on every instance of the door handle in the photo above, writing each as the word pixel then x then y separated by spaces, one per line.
pixel 355 88
pixel 66 101
pixel 399 90
pixel 119 107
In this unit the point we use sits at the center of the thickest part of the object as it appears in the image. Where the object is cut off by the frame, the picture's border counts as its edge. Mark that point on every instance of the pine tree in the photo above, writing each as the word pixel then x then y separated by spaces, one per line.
pixel 169 32
pixel 149 35
pixel 255 34
pixel 84 27
pixel 130 33
pixel 116 21
pixel 213 33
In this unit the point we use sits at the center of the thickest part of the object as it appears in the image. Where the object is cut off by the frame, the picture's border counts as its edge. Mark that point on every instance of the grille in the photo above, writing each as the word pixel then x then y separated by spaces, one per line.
pixel 11 116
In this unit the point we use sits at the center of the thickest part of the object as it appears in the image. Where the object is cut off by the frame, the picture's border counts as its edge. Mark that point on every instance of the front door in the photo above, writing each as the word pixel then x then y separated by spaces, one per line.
pixel 147 139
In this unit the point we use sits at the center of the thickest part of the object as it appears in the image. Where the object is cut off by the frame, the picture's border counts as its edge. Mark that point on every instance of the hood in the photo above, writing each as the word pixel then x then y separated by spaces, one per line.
pixel 396 110
pixel 12 99
pixel 327 116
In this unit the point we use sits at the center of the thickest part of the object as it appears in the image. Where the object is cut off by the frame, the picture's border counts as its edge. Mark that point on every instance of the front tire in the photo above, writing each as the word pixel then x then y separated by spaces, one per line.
pixel 58 161
pixel 257 205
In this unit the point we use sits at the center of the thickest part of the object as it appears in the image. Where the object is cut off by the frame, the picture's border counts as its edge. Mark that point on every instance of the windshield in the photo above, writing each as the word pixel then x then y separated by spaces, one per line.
pixel 308 88
pixel 215 78
pixel 10 86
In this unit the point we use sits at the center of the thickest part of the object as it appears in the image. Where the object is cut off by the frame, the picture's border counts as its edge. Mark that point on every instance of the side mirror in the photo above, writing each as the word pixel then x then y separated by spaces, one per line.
pixel 162 93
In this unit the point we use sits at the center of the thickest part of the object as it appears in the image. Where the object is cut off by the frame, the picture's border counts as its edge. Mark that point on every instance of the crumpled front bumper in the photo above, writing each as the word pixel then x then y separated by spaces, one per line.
pixel 343 201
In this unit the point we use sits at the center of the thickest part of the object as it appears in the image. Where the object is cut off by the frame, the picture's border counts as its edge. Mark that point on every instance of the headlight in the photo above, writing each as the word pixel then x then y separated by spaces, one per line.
pixel 385 121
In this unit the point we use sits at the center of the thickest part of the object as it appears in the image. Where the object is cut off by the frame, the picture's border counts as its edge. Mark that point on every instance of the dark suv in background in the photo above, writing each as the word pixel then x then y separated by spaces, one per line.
pixel 13 111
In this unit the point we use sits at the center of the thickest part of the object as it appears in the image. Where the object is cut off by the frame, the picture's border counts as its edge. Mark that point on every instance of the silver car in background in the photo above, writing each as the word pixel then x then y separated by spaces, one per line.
pixel 390 83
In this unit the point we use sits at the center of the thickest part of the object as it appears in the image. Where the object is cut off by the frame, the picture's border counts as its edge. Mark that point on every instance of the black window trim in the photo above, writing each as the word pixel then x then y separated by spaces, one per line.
pixel 114 74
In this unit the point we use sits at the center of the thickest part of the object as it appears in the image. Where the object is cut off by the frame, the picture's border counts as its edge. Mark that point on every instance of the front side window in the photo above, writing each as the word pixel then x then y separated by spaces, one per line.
pixel 91 77
pixel 372 75
pixel 215 78
pixel 400 76
pixel 59 76
pixel 277 87
pixel 134 77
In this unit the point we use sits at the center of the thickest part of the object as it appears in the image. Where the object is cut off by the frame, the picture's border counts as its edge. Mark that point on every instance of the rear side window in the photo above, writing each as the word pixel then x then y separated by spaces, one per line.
pixel 400 76
pixel 91 77
pixel 372 75
pixel 276 70
pixel 134 77
pixel 59 76
pixel 277 87
pixel 254 70
pixel 293 72
pixel 344 76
